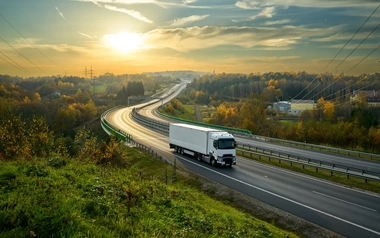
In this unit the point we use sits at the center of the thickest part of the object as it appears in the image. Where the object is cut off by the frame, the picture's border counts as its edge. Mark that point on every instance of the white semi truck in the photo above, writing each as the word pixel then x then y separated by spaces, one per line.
pixel 210 145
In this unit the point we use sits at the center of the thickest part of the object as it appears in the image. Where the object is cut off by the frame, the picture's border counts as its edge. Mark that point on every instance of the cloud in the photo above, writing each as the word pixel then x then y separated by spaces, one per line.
pixel 60 13
pixel 186 20
pixel 248 4
pixel 132 13
pixel 120 1
pixel 83 34
pixel 278 22
pixel 194 38
pixel 269 58
pixel 21 43
pixel 163 4
pixel 253 4
pixel 267 12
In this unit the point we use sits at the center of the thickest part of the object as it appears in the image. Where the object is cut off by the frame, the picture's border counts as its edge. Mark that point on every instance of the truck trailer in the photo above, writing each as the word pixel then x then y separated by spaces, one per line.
pixel 213 146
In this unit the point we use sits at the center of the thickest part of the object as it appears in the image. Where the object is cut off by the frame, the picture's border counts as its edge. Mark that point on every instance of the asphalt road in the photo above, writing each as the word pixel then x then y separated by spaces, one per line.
pixel 349 212
pixel 353 162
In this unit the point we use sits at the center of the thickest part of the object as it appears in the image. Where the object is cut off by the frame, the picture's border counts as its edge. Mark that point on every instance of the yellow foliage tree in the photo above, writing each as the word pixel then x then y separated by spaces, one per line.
pixel 329 111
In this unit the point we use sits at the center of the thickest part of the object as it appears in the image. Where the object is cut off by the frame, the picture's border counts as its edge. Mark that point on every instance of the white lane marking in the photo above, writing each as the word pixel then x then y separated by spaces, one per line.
pixel 313 178
pixel 325 195
pixel 287 199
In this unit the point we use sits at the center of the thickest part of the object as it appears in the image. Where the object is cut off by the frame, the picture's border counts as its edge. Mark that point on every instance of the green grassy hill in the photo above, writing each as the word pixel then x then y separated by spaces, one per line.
pixel 62 197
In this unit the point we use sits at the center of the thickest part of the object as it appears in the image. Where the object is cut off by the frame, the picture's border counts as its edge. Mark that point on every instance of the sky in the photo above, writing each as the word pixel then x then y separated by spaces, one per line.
pixel 66 37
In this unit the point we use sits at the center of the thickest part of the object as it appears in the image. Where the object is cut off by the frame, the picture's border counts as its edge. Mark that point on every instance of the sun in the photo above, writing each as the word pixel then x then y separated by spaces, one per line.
pixel 124 41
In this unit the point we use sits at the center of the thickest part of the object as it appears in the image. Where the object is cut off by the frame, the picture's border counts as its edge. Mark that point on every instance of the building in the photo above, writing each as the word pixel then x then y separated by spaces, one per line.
pixel 283 106
pixel 372 98
pixel 298 106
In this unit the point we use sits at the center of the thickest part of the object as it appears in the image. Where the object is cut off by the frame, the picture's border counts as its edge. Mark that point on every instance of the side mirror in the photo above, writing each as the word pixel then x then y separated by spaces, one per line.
pixel 235 144
pixel 215 144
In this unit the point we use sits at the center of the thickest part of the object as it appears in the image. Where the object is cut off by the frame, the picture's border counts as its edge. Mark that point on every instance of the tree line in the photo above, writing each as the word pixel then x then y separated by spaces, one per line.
pixel 244 101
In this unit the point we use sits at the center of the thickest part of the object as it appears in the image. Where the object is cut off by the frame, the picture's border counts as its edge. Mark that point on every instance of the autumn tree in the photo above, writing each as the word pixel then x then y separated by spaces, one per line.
pixel 329 111
pixel 252 114
pixel 23 139
pixel 374 139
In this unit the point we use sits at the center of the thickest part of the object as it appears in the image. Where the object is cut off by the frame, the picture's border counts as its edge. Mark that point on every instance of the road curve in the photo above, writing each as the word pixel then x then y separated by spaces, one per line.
pixel 346 211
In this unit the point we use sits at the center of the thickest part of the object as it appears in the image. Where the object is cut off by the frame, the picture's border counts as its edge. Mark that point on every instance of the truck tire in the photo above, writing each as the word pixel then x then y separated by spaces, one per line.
pixel 181 151
pixel 199 157
pixel 213 163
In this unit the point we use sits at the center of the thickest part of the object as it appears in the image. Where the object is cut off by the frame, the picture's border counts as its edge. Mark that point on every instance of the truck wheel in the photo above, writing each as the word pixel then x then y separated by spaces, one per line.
pixel 213 163
pixel 181 151
pixel 177 149
pixel 199 157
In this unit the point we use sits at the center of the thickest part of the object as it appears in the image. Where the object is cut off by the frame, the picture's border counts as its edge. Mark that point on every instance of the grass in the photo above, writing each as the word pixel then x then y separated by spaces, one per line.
pixel 62 197
pixel 206 113
pixel 352 181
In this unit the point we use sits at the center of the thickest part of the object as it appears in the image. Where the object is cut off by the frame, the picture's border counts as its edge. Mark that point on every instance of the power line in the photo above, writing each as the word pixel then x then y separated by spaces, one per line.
pixel 364 58
pixel 10 63
pixel 351 51
pixel 22 55
pixel 350 70
pixel 311 91
pixel 352 36
pixel 31 43
pixel 306 86
pixel 358 45
pixel 357 89
pixel 19 66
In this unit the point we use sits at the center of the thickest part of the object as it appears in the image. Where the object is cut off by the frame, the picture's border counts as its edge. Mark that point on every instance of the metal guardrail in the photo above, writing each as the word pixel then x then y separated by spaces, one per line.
pixel 333 168
pixel 243 132
pixel 113 130
pixel 316 163
pixel 320 147
pixel 127 137
pixel 164 128
pixel 151 123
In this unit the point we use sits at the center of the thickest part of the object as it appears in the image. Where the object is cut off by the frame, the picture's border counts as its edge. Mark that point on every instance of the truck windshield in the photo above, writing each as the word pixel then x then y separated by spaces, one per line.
pixel 226 144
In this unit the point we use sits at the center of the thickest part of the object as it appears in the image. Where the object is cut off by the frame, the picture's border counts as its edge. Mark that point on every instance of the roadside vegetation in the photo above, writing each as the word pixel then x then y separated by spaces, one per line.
pixel 334 123
pixel 246 101
pixel 72 197
pixel 62 176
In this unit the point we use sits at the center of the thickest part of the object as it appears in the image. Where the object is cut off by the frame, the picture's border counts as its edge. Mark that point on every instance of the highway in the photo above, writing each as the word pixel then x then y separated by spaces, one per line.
pixel 348 161
pixel 348 212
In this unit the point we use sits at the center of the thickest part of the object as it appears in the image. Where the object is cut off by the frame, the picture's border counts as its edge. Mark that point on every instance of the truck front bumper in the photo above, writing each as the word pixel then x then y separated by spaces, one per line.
pixel 226 161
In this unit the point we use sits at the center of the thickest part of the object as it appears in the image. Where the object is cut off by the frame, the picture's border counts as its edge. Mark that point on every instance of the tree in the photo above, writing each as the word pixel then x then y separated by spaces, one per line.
pixel 65 119
pixel 329 111
pixel 374 139
pixel 252 114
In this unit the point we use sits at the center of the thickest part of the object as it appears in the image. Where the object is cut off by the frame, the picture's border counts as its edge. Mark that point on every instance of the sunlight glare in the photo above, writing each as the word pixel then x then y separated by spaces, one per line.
pixel 124 41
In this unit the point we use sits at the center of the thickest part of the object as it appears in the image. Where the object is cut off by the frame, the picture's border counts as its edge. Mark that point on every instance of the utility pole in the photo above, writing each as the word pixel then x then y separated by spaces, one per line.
pixel 91 74
pixel 85 72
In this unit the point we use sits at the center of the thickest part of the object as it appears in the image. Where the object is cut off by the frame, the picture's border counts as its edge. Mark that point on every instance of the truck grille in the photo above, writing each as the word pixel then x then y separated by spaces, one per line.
pixel 228 160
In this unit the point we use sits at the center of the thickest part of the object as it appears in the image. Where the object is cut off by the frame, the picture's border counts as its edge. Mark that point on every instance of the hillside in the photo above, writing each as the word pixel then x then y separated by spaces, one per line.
pixel 70 197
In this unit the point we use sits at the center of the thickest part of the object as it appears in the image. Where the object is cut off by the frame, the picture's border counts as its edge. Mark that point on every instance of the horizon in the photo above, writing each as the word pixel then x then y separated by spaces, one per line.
pixel 47 38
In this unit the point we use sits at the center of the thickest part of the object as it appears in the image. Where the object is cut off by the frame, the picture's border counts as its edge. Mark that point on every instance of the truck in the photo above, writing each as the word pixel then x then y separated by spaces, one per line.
pixel 213 146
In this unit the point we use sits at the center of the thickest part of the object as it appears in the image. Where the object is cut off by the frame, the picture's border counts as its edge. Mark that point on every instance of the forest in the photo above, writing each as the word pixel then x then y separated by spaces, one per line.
pixel 64 104
pixel 43 114
pixel 245 101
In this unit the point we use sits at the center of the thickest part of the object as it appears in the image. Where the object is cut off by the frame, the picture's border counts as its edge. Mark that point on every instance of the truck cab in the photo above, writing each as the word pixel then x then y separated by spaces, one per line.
pixel 222 149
